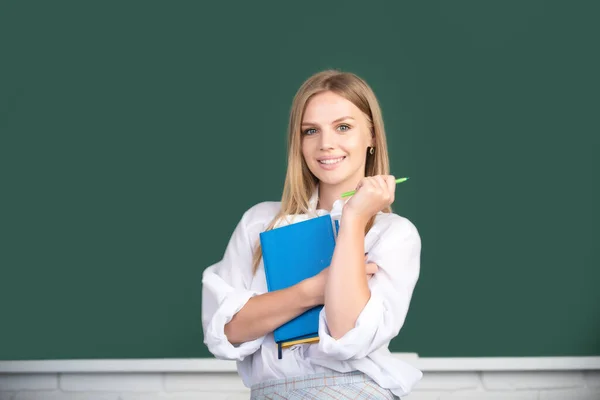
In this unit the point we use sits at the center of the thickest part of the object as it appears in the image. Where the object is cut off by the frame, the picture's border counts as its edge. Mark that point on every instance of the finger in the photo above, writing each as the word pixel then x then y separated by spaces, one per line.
pixel 383 188
pixel 391 185
pixel 371 268
pixel 368 185
pixel 372 184
pixel 381 183
pixel 363 182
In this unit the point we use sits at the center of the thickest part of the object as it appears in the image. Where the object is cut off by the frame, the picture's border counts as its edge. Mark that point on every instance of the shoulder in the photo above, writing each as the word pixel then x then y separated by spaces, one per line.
pixel 263 210
pixel 395 227
pixel 260 215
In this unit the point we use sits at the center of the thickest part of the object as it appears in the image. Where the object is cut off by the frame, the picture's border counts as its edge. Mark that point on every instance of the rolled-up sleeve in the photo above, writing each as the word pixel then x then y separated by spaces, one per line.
pixel 397 253
pixel 225 290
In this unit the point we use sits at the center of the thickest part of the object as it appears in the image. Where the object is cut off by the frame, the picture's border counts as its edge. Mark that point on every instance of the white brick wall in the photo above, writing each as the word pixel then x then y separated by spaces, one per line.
pixel 16 382
pixel 592 379
pixel 532 380
pixel 468 385
pixel 111 382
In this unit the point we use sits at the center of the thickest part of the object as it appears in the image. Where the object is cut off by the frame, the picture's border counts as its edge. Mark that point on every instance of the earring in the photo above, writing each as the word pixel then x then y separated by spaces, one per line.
pixel 372 150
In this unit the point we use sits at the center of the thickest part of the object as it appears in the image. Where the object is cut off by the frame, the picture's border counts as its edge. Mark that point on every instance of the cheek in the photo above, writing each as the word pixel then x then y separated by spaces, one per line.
pixel 306 149
pixel 303 149
pixel 355 144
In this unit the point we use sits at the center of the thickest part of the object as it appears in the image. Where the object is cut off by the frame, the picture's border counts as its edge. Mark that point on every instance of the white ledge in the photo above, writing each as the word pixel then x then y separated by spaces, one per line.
pixel 508 364
pixel 208 365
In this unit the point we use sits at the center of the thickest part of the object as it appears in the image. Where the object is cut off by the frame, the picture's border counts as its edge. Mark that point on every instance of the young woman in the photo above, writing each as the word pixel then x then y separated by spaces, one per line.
pixel 336 143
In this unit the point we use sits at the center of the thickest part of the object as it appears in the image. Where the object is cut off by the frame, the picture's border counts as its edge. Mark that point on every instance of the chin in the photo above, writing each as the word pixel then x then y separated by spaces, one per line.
pixel 332 179
pixel 331 182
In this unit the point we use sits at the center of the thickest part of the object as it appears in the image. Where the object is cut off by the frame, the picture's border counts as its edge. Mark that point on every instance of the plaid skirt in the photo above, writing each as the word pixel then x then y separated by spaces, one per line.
pixel 330 385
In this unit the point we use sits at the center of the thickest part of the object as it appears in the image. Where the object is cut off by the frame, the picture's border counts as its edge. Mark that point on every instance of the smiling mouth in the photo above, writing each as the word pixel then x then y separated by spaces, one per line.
pixel 332 161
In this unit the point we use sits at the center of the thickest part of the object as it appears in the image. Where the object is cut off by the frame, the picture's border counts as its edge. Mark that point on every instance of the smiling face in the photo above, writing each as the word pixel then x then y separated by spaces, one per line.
pixel 336 136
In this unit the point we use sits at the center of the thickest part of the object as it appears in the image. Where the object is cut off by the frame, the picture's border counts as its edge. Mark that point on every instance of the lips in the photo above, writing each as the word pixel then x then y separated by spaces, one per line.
pixel 331 161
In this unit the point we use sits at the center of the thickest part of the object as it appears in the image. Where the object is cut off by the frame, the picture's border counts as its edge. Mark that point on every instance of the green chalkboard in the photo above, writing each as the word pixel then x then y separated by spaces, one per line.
pixel 133 136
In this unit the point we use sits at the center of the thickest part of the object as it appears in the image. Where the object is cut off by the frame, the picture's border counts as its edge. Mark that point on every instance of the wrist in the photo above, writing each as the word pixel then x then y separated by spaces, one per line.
pixel 354 220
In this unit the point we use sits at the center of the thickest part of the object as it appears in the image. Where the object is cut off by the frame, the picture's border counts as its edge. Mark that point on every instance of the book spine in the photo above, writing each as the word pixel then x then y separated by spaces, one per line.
pixel 264 244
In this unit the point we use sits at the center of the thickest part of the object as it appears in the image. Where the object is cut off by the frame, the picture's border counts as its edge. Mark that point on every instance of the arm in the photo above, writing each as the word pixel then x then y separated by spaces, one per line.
pixel 227 287
pixel 347 290
pixel 397 253
pixel 357 320
pixel 264 313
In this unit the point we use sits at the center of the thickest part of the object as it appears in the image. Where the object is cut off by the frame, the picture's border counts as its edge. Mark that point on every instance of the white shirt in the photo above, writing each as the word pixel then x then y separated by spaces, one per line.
pixel 393 243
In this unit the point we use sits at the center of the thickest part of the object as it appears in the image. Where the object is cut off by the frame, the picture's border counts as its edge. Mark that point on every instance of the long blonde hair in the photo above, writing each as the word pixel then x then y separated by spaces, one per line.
pixel 300 183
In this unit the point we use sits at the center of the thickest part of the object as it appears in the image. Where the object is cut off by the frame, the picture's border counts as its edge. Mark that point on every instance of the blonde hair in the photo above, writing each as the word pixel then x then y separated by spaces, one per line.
pixel 300 183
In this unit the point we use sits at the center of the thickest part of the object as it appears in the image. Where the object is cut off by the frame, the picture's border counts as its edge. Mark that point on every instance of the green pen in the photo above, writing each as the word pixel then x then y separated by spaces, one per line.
pixel 350 193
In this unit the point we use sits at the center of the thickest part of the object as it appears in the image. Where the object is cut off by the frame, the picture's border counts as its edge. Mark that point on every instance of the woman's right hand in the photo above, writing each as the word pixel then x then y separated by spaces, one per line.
pixel 315 286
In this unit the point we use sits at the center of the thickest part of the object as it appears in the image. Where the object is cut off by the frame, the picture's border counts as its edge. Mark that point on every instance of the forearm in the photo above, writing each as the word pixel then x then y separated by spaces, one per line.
pixel 264 313
pixel 347 290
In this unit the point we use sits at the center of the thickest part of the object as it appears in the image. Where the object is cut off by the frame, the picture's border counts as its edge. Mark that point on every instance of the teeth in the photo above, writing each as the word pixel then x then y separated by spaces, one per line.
pixel 332 161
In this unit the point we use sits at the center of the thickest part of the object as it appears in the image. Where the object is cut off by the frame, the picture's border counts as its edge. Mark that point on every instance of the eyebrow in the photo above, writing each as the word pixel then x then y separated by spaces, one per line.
pixel 337 120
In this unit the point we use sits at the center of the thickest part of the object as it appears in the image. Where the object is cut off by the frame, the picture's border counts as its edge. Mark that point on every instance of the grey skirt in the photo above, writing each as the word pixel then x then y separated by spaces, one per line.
pixel 330 385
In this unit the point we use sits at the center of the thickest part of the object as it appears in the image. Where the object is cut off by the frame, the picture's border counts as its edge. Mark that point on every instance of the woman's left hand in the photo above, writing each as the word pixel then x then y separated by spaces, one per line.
pixel 373 194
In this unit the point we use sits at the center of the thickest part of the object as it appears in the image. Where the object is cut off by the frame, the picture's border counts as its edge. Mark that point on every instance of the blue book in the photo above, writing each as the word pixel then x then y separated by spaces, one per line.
pixel 291 254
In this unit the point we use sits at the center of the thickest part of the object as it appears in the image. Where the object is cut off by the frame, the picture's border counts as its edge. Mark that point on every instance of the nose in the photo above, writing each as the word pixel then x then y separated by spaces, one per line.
pixel 327 139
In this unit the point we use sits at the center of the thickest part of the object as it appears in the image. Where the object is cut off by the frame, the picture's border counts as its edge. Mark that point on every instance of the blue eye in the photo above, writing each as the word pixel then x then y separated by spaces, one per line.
pixel 309 131
pixel 344 127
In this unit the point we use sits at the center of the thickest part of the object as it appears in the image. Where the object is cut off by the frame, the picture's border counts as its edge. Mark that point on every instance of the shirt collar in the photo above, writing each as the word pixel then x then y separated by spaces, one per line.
pixel 336 210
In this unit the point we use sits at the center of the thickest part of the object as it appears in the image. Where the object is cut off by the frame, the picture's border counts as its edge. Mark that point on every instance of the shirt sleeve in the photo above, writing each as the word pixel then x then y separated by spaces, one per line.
pixel 397 253
pixel 225 290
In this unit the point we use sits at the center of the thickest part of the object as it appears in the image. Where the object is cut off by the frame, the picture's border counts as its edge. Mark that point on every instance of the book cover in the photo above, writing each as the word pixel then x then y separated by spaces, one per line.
pixel 291 254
